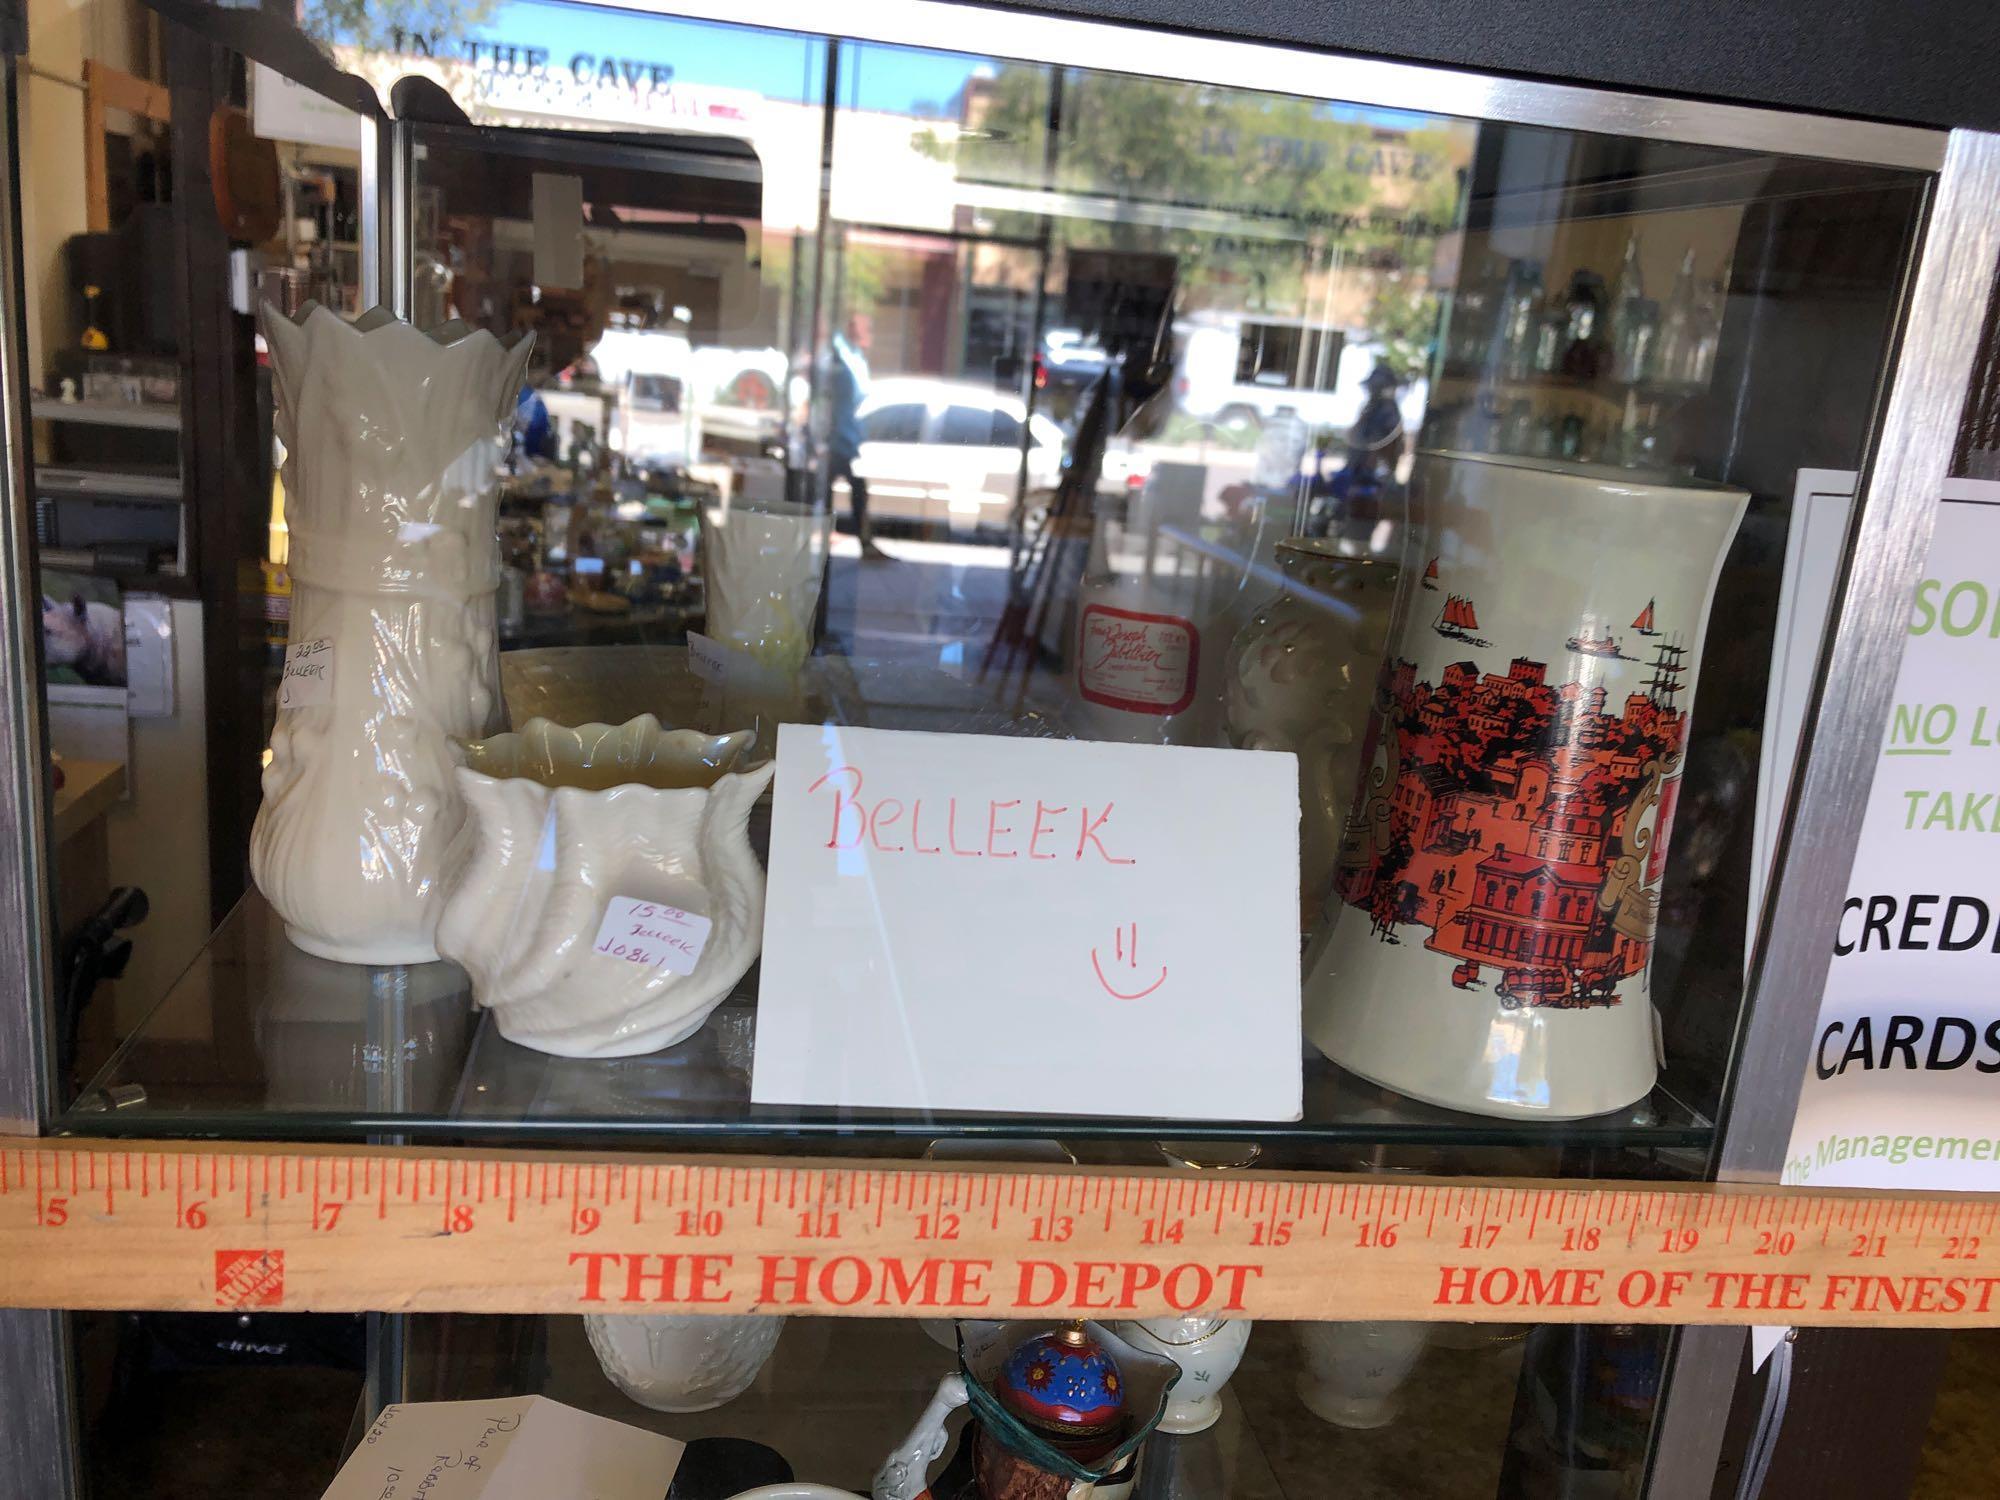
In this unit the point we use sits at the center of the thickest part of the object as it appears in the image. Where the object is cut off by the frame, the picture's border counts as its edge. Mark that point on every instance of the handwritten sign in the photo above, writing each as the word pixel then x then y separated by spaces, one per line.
pixel 516 1448
pixel 308 679
pixel 971 922
pixel 651 934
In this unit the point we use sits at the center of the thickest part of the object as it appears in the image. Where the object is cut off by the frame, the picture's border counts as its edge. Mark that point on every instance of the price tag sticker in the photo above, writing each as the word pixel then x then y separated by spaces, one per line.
pixel 652 934
pixel 308 679
pixel 708 657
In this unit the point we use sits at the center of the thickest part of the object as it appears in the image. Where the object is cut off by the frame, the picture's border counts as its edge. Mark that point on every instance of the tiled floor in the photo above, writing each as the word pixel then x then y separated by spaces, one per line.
pixel 1961 1455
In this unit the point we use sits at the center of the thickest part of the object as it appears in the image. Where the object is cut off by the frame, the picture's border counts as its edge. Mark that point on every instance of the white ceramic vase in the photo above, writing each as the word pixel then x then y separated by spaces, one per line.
pixel 1500 875
pixel 761 569
pixel 681 1361
pixel 548 847
pixel 391 438
pixel 1352 1373
pixel 1208 1350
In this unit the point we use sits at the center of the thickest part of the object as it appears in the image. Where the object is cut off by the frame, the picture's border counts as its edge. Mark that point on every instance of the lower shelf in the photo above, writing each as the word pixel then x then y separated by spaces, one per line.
pixel 839 1394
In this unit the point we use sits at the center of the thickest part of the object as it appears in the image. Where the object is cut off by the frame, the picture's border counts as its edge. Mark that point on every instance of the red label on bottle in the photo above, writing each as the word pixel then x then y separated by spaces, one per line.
pixel 1143 664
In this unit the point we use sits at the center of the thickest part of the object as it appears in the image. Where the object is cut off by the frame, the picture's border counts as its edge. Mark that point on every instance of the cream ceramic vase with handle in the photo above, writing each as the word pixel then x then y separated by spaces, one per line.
pixel 1299 676
pixel 563 823
pixel 1500 875
pixel 1208 1350
pixel 391 439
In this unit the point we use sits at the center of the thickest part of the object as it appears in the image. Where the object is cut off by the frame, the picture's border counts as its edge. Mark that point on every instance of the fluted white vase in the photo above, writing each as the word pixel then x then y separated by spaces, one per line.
pixel 391 438
pixel 549 847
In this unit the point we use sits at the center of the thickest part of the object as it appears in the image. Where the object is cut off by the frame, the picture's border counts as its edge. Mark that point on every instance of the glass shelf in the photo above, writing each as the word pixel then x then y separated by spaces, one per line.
pixel 258 1040
pixel 837 1394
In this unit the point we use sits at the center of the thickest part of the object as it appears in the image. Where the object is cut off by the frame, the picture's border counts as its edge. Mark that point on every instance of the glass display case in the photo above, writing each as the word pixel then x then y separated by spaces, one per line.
pixel 1438 438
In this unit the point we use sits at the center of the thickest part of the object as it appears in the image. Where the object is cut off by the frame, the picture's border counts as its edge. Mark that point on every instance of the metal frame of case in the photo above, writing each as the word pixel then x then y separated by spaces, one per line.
pixel 1917 417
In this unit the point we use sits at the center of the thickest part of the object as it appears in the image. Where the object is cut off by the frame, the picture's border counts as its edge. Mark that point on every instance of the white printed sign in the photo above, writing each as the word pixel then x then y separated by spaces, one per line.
pixel 514 1448
pixel 1900 1089
pixel 652 934
pixel 974 922
pixel 308 679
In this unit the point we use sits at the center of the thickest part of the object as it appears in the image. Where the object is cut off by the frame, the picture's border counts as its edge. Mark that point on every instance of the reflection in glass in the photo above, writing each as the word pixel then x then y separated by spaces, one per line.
pixel 934 390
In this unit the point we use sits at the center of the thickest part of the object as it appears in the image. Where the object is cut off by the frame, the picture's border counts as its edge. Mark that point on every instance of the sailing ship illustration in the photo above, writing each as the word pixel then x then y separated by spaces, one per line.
pixel 1430 580
pixel 1644 624
pixel 1665 685
pixel 1588 642
pixel 1457 621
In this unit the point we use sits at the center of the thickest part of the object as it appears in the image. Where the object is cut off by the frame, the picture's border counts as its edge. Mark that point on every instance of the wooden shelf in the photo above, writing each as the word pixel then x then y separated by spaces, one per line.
pixel 1601 389
pixel 89 789
pixel 79 482
pixel 160 418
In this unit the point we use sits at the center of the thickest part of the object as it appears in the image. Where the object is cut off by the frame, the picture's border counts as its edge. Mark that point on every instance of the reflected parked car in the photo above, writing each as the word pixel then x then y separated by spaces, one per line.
pixel 948 453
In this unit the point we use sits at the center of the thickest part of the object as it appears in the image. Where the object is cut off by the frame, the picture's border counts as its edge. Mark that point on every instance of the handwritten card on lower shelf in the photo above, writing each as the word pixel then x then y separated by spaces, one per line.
pixel 516 1448
pixel 981 923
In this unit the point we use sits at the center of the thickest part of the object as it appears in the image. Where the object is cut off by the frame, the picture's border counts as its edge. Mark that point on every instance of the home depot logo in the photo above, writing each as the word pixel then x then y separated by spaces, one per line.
pixel 249 1278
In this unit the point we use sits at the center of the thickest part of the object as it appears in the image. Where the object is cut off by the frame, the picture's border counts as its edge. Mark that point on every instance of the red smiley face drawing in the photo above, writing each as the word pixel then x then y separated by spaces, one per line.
pixel 1126 952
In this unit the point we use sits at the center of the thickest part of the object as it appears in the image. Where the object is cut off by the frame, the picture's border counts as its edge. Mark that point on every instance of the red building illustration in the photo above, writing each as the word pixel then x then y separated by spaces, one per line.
pixel 1524 824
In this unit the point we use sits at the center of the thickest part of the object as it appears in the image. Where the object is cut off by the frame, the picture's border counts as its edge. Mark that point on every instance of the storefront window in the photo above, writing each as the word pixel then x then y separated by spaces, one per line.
pixel 1068 404
pixel 1399 515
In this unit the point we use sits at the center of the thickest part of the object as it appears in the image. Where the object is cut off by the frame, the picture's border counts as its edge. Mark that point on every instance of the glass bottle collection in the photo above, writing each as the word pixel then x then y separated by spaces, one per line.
pixel 1628 357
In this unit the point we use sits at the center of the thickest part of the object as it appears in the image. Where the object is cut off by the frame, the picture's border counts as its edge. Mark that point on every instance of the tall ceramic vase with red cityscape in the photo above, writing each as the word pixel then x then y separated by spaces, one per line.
pixel 1500 874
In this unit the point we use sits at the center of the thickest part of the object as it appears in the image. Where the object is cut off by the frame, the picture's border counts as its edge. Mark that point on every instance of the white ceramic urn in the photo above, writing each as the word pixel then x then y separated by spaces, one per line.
pixel 1352 1374
pixel 681 1361
pixel 391 438
pixel 569 828
pixel 1499 876
pixel 1208 1350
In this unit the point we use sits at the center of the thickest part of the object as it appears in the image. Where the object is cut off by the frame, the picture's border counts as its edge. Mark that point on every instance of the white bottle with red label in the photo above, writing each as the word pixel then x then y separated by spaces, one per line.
pixel 1153 616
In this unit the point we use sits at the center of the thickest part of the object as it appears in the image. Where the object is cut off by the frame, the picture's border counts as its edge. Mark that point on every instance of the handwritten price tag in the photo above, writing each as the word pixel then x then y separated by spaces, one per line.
pixel 308 679
pixel 708 657
pixel 512 1448
pixel 652 934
